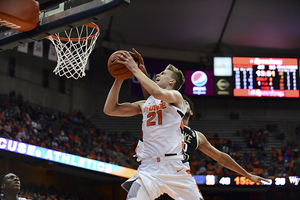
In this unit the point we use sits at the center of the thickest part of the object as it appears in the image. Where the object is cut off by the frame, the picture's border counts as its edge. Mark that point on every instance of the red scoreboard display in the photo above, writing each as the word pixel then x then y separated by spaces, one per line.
pixel 265 77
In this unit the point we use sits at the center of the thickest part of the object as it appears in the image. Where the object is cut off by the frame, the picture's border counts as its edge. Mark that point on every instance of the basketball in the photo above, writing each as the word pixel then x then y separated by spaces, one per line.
pixel 117 70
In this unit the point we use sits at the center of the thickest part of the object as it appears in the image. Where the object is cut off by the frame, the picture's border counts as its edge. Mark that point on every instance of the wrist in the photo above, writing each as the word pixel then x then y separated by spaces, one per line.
pixel 118 81
pixel 248 175
pixel 141 66
pixel 135 70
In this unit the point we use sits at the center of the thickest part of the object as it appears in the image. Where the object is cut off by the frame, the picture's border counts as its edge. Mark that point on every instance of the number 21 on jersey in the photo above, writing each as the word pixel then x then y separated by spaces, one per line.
pixel 154 118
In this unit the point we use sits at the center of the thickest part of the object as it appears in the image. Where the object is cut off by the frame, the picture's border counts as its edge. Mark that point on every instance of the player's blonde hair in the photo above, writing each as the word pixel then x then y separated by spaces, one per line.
pixel 177 75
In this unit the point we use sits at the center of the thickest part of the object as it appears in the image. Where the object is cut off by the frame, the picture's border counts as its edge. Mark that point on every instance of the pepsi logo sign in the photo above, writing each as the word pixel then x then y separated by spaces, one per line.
pixel 199 78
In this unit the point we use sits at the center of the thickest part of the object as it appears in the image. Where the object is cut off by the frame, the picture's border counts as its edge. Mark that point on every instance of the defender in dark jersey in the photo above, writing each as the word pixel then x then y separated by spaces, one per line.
pixel 191 137
pixel 196 140
pixel 191 142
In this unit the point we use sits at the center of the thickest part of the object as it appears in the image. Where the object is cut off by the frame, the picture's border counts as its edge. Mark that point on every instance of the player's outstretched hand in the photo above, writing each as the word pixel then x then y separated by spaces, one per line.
pixel 258 179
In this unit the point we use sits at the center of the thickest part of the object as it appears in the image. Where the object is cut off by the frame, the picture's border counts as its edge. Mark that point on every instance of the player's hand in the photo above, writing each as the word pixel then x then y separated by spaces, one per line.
pixel 258 179
pixel 138 58
pixel 126 59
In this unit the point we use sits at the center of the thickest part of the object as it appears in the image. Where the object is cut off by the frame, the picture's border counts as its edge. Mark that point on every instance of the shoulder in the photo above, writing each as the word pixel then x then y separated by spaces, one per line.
pixel 179 103
pixel 176 94
pixel 190 130
pixel 201 137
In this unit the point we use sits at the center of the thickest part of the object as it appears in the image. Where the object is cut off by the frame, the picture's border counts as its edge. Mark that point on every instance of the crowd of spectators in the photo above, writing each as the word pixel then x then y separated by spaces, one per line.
pixel 255 138
pixel 282 161
pixel 70 133
pixel 40 192
pixel 33 124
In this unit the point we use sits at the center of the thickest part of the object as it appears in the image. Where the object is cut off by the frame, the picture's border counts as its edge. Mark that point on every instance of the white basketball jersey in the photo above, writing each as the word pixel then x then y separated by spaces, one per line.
pixel 162 129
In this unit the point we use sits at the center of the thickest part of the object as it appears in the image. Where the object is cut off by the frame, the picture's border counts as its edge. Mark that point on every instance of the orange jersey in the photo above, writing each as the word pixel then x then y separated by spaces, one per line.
pixel 162 129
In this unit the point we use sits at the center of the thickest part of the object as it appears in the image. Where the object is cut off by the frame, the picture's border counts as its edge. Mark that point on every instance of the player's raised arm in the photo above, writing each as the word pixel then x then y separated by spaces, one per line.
pixel 113 108
pixel 164 86
pixel 225 160
pixel 141 65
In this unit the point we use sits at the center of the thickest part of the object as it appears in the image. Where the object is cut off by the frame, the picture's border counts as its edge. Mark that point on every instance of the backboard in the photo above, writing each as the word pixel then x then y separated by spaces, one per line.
pixel 58 16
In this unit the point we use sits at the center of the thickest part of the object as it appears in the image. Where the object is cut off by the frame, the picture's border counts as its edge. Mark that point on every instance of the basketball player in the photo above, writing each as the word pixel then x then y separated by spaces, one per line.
pixel 162 169
pixel 10 186
pixel 196 140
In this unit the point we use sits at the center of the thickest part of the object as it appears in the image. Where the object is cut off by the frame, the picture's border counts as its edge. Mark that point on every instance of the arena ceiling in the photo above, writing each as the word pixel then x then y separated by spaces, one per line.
pixel 207 27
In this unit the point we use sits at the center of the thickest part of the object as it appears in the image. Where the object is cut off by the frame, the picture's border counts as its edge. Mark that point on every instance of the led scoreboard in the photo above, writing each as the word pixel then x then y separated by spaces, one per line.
pixel 265 77
pixel 243 181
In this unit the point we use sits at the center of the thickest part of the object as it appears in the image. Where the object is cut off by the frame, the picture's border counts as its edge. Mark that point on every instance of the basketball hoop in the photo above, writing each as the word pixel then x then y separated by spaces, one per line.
pixel 73 49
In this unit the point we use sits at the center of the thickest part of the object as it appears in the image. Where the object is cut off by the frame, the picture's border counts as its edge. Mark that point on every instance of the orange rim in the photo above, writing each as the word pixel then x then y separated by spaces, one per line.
pixel 91 24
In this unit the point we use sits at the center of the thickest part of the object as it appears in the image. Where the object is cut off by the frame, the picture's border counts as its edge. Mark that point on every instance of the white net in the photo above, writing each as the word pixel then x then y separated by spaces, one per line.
pixel 73 49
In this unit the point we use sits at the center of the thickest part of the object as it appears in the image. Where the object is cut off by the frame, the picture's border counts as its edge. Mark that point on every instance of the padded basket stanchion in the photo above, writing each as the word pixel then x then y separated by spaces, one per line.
pixel 73 48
